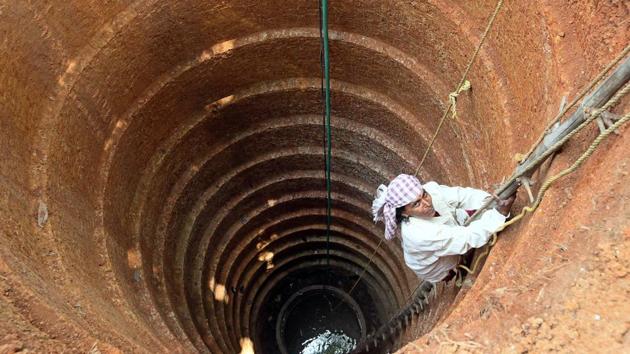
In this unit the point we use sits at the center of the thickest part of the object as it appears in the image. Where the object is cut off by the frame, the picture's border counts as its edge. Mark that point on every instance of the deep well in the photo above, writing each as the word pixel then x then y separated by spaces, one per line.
pixel 177 150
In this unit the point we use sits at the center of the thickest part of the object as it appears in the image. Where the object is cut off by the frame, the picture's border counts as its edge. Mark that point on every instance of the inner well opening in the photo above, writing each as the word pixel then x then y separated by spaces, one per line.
pixel 320 319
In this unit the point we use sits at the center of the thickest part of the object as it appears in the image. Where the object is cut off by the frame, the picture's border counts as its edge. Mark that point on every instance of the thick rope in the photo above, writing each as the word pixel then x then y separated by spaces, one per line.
pixel 548 183
pixel 575 100
pixel 461 86
pixel 592 116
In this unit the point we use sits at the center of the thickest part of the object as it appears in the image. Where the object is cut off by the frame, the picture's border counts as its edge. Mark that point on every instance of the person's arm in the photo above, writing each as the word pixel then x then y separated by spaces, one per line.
pixel 466 198
pixel 455 240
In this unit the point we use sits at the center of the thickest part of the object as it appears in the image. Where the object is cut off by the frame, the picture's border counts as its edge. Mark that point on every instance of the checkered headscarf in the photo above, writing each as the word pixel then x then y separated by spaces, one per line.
pixel 401 191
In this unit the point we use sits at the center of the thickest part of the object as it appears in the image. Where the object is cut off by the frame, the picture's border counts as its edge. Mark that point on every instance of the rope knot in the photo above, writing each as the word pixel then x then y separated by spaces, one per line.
pixel 452 97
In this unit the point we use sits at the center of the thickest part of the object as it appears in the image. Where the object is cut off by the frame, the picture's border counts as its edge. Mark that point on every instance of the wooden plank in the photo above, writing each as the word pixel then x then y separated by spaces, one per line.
pixel 597 99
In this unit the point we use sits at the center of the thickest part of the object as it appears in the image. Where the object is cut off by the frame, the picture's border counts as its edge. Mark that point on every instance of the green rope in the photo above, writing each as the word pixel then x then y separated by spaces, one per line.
pixel 328 142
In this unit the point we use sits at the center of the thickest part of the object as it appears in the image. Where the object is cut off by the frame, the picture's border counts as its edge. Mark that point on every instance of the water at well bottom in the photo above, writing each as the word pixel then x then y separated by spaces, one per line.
pixel 321 325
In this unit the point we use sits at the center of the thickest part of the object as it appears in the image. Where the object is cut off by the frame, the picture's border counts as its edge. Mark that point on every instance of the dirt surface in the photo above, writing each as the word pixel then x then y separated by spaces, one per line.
pixel 153 151
pixel 594 314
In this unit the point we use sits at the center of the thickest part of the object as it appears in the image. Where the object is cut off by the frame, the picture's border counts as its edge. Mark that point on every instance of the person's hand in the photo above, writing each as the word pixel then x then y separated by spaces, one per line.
pixel 504 205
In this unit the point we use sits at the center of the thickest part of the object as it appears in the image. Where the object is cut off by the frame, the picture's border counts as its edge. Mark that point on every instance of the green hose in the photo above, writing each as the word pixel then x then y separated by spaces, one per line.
pixel 328 148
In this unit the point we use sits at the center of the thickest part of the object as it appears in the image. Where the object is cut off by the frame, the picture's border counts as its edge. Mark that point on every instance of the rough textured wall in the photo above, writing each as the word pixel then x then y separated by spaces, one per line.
pixel 172 142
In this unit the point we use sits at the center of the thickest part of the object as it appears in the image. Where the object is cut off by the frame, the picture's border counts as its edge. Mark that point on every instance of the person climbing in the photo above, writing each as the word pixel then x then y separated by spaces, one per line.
pixel 431 218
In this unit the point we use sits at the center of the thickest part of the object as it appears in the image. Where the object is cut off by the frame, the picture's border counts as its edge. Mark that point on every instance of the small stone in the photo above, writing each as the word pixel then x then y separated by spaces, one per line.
pixel 536 322
pixel 42 214
pixel 597 317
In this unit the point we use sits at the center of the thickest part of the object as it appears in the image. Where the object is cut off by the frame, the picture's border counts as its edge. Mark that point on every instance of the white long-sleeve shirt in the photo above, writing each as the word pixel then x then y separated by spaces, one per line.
pixel 432 246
